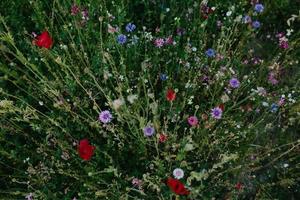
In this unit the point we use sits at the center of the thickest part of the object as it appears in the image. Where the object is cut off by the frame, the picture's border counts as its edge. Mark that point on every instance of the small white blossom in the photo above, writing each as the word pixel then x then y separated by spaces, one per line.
pixel 178 173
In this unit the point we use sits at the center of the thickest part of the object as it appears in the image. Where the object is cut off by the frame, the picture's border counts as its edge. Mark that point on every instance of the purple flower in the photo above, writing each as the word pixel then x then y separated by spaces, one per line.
pixel 149 131
pixel 216 113
pixel 234 83
pixel 256 24
pixel 159 42
pixel 130 27
pixel 246 19
pixel 259 8
pixel 85 14
pixel 121 39
pixel 105 117
pixel 210 53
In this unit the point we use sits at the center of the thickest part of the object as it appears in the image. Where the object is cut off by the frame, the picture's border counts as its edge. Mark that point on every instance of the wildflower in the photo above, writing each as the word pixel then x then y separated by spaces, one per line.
pixel 259 8
pixel 178 173
pixel 210 53
pixel 238 186
pixel 256 24
pixel 121 39
pixel 85 14
pixel 246 19
pixel 274 108
pixel 171 95
pixel 111 29
pixel 162 137
pixel 204 117
pixel 105 117
pixel 130 27
pixel 177 187
pixel 159 42
pixel 261 91
pixel 29 196
pixel 134 39
pixel 149 131
pixel 44 40
pixel 74 9
pixel 169 40
pixel 272 79
pixel 117 103
pixel 163 77
pixel 131 98
pixel 234 83
pixel 193 120
pixel 216 113
pixel 85 150
pixel 222 107
pixel 281 101
pixel 136 182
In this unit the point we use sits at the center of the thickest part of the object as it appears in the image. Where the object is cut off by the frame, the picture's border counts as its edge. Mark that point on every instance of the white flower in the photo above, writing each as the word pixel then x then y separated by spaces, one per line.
pixel 178 173
pixel 131 98
pixel 117 103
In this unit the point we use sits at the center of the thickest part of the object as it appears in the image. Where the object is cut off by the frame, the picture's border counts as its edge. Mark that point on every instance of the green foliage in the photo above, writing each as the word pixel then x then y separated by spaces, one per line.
pixel 50 99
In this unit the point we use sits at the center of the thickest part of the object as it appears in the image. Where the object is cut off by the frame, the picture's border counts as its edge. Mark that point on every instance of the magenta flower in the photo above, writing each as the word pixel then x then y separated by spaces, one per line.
pixel 193 120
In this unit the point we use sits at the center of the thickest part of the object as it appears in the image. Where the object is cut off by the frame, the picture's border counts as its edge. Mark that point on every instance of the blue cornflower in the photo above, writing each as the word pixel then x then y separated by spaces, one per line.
pixel 246 19
pixel 130 27
pixel 163 77
pixel 256 24
pixel 234 83
pixel 210 53
pixel 149 131
pixel 259 8
pixel 121 39
pixel 274 107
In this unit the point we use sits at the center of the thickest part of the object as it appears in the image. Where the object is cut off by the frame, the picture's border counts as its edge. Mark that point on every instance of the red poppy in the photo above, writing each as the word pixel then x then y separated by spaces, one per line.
pixel 171 95
pixel 43 40
pixel 162 138
pixel 177 187
pixel 85 150
pixel 238 186
pixel 222 106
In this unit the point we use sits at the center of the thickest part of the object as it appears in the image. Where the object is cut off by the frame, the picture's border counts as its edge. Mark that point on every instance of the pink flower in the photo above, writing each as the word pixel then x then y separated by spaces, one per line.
pixel 193 120
pixel 169 40
pixel 159 42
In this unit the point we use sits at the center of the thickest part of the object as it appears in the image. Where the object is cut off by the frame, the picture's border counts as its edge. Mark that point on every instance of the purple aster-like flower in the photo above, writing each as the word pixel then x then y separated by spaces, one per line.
pixel 256 24
pixel 130 27
pixel 234 83
pixel 121 39
pixel 149 131
pixel 210 53
pixel 105 116
pixel 259 8
pixel 216 113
